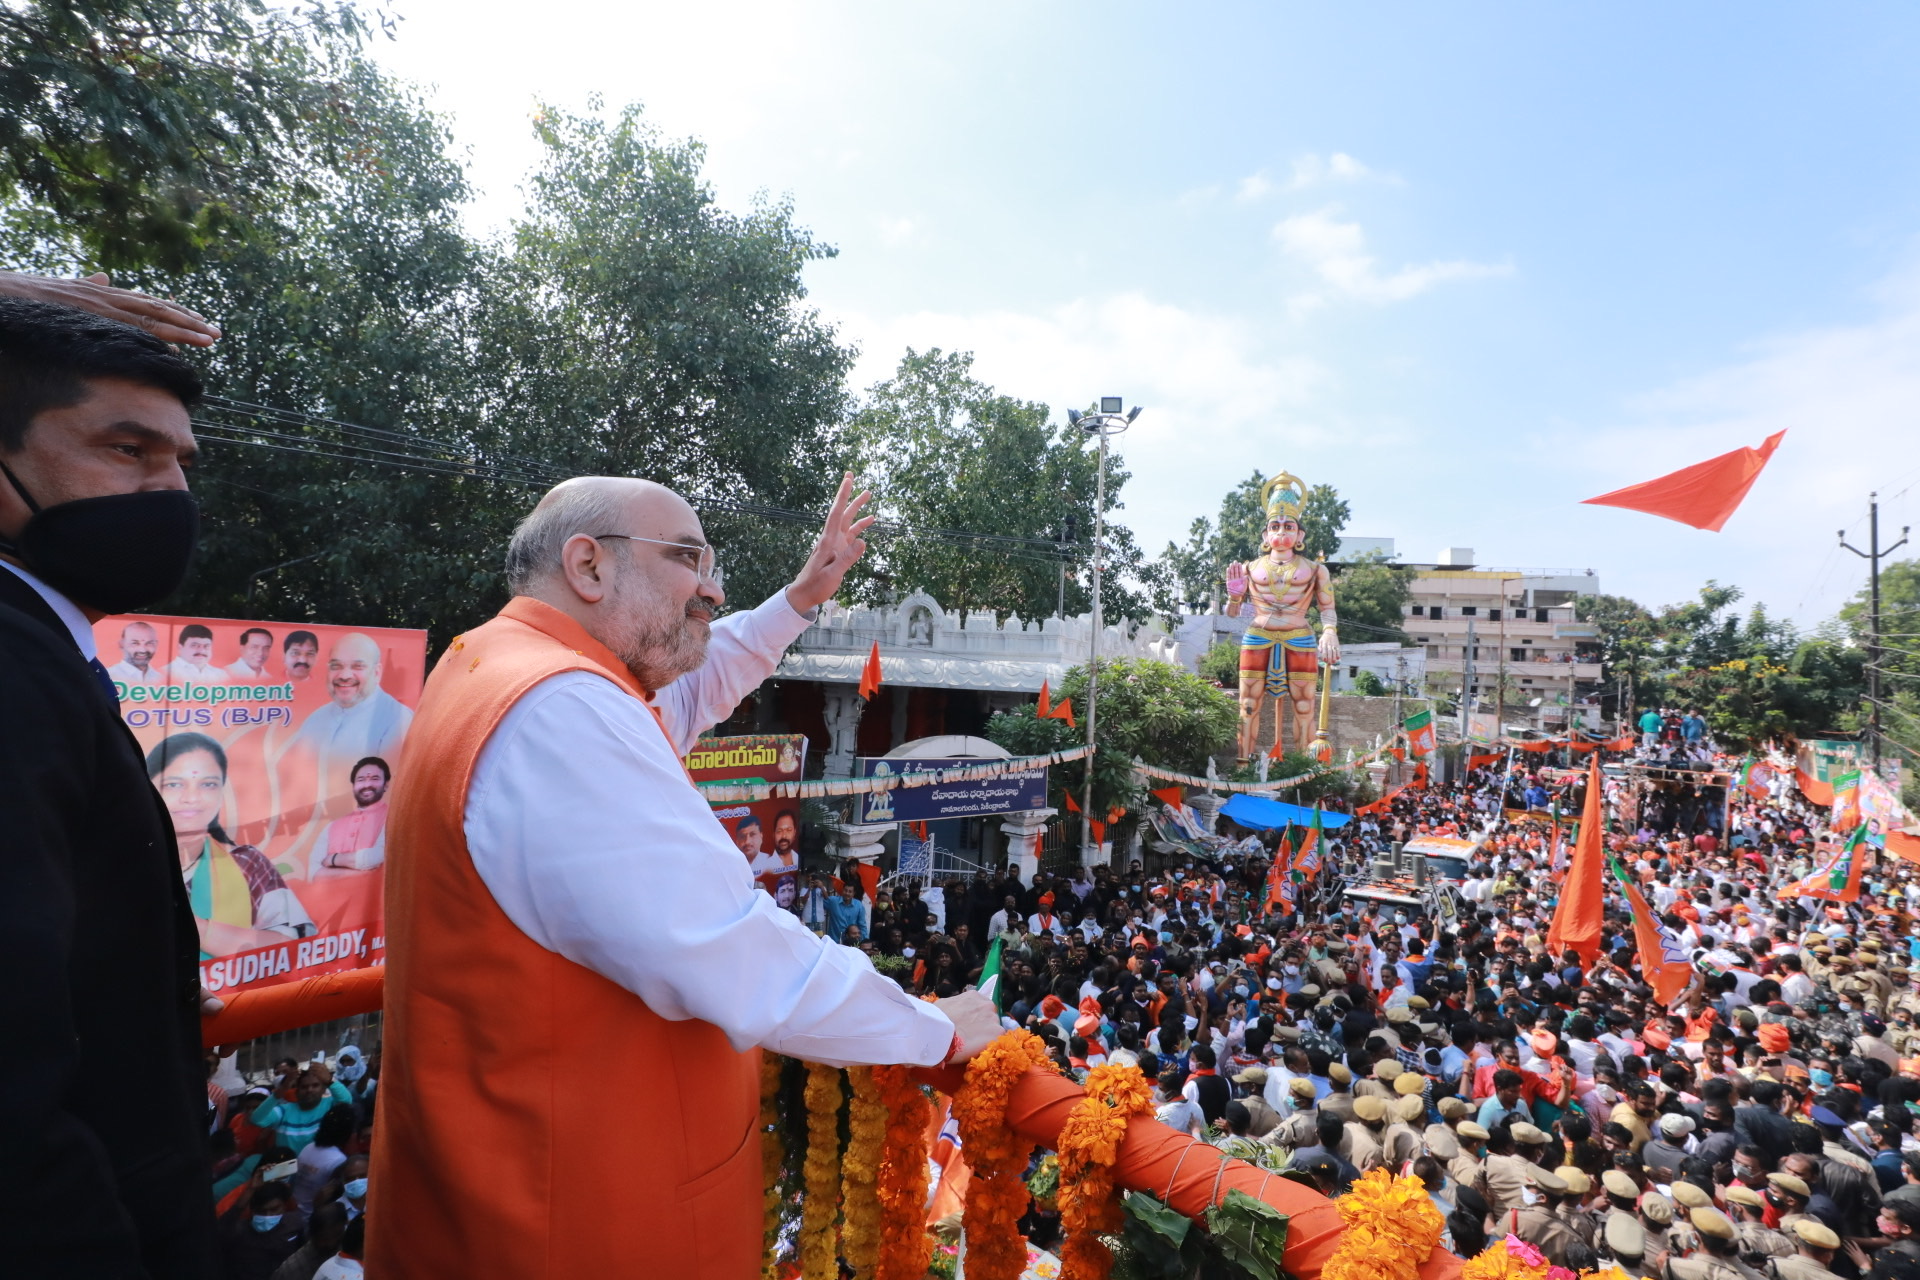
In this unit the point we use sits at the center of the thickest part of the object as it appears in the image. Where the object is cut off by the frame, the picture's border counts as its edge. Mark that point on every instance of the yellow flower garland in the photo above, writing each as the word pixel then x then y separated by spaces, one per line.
pixel 996 1197
pixel 1089 1144
pixel 1392 1228
pixel 772 1155
pixel 905 1247
pixel 860 1174
pixel 819 1242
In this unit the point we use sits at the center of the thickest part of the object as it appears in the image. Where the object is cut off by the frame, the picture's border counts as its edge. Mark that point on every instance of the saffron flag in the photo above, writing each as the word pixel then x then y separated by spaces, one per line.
pixel 1663 961
pixel 1278 891
pixel 1419 727
pixel 1837 879
pixel 1306 860
pixel 1703 495
pixel 1169 795
pixel 1063 712
pixel 1576 920
pixel 1903 844
pixel 870 674
pixel 1073 806
pixel 1045 710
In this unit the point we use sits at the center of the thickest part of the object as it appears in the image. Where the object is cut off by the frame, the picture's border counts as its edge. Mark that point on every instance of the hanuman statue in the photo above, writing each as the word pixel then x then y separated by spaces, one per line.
pixel 1279 653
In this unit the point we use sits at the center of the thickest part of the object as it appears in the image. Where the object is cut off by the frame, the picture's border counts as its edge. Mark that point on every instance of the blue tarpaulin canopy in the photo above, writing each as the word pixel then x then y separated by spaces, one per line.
pixel 1263 814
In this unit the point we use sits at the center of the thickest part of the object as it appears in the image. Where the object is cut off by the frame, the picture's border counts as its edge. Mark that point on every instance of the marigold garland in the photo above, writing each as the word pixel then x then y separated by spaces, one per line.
pixel 996 1197
pixel 819 1242
pixel 860 1174
pixel 1508 1259
pixel 1392 1228
pixel 1088 1145
pixel 905 1247
pixel 773 1154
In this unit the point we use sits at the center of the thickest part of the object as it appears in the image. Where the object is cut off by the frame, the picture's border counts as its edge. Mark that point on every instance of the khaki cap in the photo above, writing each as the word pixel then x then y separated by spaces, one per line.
pixel 1311 989
pixel 1419 1002
pixel 1407 1084
pixel 1288 1032
pixel 1370 1108
pixel 1252 1075
pixel 1626 1238
pixel 1472 1131
pixel 1409 1109
pixel 1619 1184
pixel 1527 1135
pixel 1790 1184
pixel 1656 1208
pixel 1453 1108
pixel 1339 1074
pixel 1576 1179
pixel 1387 1069
pixel 1689 1196
pixel 1816 1233
pixel 1546 1180
pixel 1301 1087
pixel 1745 1195
pixel 1399 1014
pixel 1709 1221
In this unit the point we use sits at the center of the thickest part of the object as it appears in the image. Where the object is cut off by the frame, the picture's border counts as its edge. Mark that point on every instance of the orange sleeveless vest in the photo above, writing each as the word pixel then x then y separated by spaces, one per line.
pixel 536 1121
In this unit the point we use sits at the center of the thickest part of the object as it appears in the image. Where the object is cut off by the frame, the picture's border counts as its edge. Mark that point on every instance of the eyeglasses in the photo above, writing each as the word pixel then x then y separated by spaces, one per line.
pixel 707 565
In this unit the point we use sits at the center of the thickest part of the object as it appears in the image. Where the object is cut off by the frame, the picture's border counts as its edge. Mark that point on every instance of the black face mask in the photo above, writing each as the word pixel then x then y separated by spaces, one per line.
pixel 117 553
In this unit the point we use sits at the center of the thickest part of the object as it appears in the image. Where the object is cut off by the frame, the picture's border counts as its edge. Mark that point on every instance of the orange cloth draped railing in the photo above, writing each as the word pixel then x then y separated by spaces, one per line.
pixel 266 1010
pixel 1187 1173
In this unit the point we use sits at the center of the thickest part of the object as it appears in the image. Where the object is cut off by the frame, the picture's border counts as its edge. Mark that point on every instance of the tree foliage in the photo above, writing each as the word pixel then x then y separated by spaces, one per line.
pixel 1194 573
pixel 1149 710
pixel 154 127
pixel 1370 598
pixel 948 456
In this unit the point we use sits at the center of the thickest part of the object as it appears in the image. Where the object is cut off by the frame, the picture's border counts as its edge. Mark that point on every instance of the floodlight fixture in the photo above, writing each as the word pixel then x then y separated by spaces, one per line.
pixel 1111 404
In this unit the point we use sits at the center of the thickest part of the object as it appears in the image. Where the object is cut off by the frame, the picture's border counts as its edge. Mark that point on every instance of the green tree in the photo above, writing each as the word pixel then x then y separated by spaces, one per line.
pixel 1149 710
pixel 945 452
pixel 153 127
pixel 1369 685
pixel 1221 664
pixel 1370 597
pixel 1243 522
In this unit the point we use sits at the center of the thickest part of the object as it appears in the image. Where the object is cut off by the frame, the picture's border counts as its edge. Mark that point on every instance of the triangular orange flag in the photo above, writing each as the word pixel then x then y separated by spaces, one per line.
pixel 1175 794
pixel 1073 806
pixel 1099 831
pixel 1703 495
pixel 870 676
pixel 1277 750
pixel 1576 921
pixel 1045 710
pixel 1064 712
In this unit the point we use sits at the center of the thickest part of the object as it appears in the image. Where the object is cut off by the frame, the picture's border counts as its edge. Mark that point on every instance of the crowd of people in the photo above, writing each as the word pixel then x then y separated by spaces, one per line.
pixel 1761 1123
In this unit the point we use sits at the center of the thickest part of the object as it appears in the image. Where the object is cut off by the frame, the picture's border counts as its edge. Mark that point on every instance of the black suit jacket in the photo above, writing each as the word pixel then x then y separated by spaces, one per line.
pixel 103 1144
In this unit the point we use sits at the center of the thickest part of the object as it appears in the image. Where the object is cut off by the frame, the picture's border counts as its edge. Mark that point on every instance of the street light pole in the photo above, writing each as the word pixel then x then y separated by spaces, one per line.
pixel 1873 558
pixel 1108 422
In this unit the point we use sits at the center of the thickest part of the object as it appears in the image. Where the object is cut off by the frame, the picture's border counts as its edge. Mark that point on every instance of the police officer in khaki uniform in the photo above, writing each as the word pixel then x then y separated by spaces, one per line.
pixel 1880 984
pixel 1656 1219
pixel 1813 1259
pixel 1262 1119
pixel 1626 1242
pixel 1340 1101
pixel 1469 1168
pixel 1540 1224
pixel 1441 1141
pixel 1717 1256
pixel 1758 1242
pixel 1361 1145
pixel 1402 1139
pixel 1572 1209
pixel 1300 1126
pixel 1506 1171
pixel 1380 1083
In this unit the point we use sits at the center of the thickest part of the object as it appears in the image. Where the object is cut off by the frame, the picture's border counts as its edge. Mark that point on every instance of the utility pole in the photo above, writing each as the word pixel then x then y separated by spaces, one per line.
pixel 1873 558
pixel 1466 683
pixel 1066 541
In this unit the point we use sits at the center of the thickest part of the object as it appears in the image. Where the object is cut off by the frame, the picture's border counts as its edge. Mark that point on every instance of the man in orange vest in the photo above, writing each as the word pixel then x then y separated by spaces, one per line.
pixel 580 970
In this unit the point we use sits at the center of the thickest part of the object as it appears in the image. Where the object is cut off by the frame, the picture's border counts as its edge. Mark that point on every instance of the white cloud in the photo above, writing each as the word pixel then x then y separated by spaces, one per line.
pixel 1254 186
pixel 1220 394
pixel 1312 171
pixel 1336 252
pixel 896 231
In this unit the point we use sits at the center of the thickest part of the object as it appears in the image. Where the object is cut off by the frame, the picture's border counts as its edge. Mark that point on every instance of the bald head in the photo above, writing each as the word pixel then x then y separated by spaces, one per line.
pixel 590 506
pixel 622 557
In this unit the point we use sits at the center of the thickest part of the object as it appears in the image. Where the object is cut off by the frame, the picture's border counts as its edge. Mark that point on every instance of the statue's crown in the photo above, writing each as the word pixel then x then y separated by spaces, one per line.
pixel 1285 496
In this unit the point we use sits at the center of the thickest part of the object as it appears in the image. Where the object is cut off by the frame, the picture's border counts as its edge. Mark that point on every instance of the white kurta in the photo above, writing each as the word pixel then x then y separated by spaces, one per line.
pixel 582 825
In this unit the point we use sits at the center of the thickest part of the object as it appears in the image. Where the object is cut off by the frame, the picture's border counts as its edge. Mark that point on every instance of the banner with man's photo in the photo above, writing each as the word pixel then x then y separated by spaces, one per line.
pixel 273 746
pixel 766 831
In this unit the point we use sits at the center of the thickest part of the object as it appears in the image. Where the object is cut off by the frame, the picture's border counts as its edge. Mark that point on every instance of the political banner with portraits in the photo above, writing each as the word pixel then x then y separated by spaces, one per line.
pixel 767 832
pixel 273 746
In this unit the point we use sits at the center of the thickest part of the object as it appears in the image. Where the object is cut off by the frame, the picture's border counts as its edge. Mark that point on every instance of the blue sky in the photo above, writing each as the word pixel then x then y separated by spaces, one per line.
pixel 1467 263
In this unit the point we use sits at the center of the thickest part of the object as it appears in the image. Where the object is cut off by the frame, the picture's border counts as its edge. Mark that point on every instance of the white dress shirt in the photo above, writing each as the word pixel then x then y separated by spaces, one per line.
pixel 581 823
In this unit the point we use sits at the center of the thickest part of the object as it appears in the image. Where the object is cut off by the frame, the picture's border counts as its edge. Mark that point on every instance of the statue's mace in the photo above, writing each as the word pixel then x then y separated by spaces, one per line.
pixel 1322 744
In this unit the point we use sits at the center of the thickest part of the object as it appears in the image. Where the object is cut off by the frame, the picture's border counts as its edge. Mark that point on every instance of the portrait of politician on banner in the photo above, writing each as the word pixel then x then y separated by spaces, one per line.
pixel 273 747
pixel 767 832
